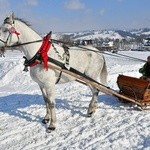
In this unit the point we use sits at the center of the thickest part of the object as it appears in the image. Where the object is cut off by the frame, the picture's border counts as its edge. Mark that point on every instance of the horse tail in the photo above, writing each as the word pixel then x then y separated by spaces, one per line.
pixel 103 74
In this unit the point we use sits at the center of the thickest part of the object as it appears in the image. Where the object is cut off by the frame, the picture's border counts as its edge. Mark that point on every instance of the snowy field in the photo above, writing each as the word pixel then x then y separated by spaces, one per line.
pixel 115 126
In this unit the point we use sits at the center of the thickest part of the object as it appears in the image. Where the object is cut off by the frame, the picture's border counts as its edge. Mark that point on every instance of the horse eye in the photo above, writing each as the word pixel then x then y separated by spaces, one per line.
pixel 5 30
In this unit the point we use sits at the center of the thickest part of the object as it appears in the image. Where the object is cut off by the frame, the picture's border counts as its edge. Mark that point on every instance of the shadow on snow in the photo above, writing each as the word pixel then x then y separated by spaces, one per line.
pixel 12 105
pixel 15 103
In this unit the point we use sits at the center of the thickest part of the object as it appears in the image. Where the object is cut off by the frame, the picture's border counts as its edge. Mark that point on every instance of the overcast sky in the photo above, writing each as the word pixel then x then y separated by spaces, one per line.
pixel 79 15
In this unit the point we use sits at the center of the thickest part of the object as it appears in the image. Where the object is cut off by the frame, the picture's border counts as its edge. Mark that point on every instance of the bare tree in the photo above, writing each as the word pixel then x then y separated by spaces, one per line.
pixel 66 39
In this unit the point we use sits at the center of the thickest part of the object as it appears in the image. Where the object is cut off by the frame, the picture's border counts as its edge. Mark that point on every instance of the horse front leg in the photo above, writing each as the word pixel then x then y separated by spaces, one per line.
pixel 52 123
pixel 51 105
pixel 47 116
pixel 93 104
pixel 48 113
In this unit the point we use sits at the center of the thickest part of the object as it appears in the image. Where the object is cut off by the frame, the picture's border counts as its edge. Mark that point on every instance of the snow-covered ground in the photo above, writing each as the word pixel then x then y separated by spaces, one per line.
pixel 115 126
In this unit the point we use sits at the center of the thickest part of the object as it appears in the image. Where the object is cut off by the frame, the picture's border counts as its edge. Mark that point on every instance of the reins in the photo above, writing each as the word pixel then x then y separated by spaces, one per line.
pixel 26 43
pixel 114 55
pixel 85 48
pixel 136 59
pixel 21 44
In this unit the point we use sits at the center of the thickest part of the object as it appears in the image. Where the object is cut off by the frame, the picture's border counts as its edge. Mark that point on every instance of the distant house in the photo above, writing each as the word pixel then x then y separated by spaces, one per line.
pixel 106 46
pixel 84 42
pixel 88 42
pixel 145 45
pixel 146 42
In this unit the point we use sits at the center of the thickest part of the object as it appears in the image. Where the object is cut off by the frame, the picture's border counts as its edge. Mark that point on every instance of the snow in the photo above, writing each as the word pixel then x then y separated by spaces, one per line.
pixel 102 35
pixel 115 126
pixel 99 34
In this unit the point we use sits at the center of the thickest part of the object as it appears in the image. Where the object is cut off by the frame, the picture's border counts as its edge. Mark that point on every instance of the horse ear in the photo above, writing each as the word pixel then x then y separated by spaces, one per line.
pixel 11 18
pixel 13 15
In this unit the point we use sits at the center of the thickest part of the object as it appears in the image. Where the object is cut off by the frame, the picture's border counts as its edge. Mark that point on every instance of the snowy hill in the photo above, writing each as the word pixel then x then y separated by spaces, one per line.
pixel 110 34
pixel 142 31
pixel 97 35
pixel 115 126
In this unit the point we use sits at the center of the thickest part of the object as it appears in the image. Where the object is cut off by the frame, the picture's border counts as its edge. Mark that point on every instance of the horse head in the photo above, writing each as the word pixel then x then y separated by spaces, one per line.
pixel 8 34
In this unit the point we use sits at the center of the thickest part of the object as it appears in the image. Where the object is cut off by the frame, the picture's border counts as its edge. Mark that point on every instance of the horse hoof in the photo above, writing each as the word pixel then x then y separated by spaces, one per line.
pixel 90 114
pixel 49 129
pixel 45 121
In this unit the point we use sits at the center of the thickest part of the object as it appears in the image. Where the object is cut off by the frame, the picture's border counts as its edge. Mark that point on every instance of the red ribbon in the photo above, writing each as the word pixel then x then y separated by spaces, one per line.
pixel 13 30
pixel 44 50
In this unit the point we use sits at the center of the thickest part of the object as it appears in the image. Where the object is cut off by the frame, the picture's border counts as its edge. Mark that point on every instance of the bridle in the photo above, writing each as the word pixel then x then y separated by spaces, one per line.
pixel 41 53
pixel 11 31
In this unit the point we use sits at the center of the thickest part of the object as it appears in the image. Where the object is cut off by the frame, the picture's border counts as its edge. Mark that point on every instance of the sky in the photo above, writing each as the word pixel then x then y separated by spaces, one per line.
pixel 79 15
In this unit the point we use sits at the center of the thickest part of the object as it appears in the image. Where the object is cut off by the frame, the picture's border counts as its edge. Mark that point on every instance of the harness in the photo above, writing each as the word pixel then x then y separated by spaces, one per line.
pixel 42 56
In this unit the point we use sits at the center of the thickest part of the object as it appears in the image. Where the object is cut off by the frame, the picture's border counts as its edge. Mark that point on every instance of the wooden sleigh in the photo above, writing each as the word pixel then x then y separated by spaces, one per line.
pixel 135 88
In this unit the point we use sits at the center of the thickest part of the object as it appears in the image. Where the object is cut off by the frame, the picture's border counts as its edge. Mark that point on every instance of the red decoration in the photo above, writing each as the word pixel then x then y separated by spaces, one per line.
pixel 44 50
pixel 13 30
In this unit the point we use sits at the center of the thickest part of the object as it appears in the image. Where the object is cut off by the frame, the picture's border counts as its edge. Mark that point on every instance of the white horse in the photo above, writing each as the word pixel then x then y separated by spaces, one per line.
pixel 90 63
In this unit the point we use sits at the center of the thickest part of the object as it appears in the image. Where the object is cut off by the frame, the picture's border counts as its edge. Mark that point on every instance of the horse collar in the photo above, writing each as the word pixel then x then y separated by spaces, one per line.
pixel 40 55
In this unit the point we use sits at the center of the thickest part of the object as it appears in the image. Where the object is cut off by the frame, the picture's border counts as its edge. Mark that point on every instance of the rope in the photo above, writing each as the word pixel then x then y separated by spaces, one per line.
pixel 21 44
pixel 115 55
pixel 26 43
pixel 134 58
pixel 85 48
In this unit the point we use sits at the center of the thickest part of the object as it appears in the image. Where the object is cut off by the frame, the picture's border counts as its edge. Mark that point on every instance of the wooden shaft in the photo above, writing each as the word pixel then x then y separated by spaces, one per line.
pixel 101 88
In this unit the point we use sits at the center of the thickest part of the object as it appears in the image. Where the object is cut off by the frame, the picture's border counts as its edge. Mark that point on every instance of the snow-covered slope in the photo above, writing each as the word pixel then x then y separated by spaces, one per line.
pixel 104 34
pixel 97 35
pixel 109 34
pixel 142 31
pixel 115 126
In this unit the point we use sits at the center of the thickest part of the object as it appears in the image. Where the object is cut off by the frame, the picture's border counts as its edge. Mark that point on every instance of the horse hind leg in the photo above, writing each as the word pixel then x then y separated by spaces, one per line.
pixel 93 104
